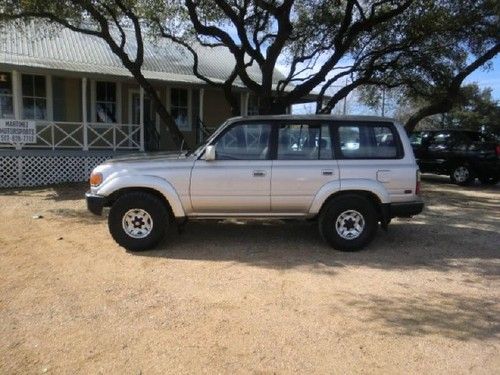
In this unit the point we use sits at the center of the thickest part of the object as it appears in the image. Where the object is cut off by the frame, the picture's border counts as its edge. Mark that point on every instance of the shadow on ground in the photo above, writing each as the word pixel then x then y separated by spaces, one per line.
pixel 59 192
pixel 453 315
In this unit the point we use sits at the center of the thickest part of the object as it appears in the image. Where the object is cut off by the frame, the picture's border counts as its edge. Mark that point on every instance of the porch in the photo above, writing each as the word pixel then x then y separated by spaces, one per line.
pixel 96 112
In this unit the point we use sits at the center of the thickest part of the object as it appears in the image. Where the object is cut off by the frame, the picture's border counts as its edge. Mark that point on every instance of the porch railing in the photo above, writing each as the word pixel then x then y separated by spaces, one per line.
pixel 84 136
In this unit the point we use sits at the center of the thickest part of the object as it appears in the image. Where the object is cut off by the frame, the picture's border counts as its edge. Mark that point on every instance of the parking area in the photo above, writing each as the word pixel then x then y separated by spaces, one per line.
pixel 250 297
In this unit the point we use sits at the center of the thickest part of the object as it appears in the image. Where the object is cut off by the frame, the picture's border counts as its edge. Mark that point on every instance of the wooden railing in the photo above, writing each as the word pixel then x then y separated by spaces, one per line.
pixel 85 136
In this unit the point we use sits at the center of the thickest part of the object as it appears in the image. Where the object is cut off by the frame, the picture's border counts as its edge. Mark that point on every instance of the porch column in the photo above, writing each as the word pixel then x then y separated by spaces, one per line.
pixel 50 98
pixel 245 96
pixel 84 114
pixel 119 104
pixel 17 94
pixel 141 117
pixel 200 114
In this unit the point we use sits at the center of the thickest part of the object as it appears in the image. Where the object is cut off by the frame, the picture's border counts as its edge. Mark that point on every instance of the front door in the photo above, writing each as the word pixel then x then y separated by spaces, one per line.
pixel 239 180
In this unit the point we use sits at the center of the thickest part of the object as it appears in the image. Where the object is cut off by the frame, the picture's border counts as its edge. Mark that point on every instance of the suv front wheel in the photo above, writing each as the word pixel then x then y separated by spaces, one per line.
pixel 138 220
pixel 348 222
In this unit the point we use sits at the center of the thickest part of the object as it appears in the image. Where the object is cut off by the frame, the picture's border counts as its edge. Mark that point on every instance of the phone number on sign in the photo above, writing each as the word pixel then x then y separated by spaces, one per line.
pixel 13 138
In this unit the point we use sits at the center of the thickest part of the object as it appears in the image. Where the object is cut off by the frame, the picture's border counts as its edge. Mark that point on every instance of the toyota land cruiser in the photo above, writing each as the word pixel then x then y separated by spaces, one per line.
pixel 350 173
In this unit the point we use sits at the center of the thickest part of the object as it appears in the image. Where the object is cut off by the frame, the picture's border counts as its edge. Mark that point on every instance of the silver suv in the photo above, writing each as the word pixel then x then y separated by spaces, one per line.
pixel 349 173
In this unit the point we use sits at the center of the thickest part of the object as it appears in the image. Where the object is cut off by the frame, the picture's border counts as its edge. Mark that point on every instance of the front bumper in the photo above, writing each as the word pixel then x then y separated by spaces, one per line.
pixel 95 203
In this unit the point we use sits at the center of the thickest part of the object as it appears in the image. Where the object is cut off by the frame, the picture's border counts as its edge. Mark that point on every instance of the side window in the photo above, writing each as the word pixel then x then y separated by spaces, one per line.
pixel 244 142
pixel 304 142
pixel 367 142
pixel 416 139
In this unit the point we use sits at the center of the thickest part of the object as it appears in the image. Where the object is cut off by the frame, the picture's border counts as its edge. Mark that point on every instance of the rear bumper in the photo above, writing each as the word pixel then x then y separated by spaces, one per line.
pixel 401 209
pixel 405 209
pixel 95 203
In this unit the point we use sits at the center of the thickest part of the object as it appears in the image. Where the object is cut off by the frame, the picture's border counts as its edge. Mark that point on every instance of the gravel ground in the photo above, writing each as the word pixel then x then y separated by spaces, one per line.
pixel 248 298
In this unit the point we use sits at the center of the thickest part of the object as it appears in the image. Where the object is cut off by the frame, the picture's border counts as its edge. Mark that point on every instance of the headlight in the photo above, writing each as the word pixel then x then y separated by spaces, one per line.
pixel 95 179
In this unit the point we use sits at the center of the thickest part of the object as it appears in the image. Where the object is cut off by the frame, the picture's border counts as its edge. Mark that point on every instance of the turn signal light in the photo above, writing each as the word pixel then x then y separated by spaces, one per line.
pixel 417 187
pixel 95 179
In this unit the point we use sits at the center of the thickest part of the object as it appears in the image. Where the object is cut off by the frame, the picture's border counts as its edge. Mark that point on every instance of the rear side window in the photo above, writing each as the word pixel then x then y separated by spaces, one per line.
pixel 367 141
pixel 304 142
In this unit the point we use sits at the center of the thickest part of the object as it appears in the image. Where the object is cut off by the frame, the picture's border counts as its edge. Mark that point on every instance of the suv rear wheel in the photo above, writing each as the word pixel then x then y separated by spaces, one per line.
pixel 462 174
pixel 138 221
pixel 348 222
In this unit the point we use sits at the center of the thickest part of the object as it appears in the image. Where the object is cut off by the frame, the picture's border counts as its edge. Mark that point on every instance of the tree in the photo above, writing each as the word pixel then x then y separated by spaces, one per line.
pixel 310 37
pixel 427 47
pixel 477 110
pixel 460 37
pixel 104 19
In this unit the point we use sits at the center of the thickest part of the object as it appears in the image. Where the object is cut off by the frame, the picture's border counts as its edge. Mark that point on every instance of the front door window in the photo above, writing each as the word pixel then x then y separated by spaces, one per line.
pixel 244 142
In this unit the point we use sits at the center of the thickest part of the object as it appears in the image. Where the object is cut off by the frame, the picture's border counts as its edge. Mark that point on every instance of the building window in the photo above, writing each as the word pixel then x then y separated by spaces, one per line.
pixel 6 96
pixel 34 97
pixel 105 103
pixel 179 107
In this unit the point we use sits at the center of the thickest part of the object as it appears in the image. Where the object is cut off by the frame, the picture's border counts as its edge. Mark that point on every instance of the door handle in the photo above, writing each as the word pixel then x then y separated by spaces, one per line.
pixel 327 172
pixel 259 173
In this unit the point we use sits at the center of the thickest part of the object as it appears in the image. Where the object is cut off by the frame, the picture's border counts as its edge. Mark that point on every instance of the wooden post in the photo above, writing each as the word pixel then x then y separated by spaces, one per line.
pixel 245 97
pixel 84 115
pixel 200 114
pixel 17 94
pixel 50 98
pixel 141 117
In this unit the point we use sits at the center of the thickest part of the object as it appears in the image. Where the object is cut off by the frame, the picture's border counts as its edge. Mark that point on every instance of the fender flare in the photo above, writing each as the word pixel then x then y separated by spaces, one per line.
pixel 333 187
pixel 151 182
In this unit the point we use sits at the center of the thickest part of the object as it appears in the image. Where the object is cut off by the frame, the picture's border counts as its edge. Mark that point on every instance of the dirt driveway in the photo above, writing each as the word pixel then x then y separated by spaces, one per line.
pixel 424 298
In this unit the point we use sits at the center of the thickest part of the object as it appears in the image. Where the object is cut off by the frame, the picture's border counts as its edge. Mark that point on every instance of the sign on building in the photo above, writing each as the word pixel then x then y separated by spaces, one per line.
pixel 17 131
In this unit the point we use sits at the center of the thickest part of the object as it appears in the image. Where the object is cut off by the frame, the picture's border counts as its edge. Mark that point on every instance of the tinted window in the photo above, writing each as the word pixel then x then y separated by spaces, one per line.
pixel 244 142
pixel 304 142
pixel 416 139
pixel 367 142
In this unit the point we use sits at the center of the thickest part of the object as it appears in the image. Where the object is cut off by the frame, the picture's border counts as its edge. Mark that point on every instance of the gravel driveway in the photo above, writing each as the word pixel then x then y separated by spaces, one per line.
pixel 250 298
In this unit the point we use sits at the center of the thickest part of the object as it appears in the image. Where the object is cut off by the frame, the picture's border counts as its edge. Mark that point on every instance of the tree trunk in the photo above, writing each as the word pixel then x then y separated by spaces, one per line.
pixel 432 109
pixel 271 106
pixel 165 117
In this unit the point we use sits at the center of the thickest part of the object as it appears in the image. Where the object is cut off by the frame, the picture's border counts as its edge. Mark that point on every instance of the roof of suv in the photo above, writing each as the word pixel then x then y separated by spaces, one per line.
pixel 317 117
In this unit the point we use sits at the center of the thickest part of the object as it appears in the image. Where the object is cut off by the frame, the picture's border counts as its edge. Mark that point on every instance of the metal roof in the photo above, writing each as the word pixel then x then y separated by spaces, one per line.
pixel 36 45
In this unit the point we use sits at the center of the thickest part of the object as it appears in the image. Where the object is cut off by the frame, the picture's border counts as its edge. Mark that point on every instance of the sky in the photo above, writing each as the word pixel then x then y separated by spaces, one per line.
pixel 489 78
pixel 484 77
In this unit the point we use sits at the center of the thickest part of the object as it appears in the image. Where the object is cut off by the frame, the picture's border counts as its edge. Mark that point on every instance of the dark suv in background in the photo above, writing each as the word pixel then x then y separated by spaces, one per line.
pixel 463 155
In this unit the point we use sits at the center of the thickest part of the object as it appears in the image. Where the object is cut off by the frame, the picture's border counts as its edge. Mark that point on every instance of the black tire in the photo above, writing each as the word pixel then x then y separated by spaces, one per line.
pixel 149 203
pixel 342 204
pixel 462 174
pixel 488 180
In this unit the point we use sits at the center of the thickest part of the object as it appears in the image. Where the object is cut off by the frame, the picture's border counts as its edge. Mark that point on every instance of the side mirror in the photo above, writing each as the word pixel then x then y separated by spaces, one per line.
pixel 210 153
